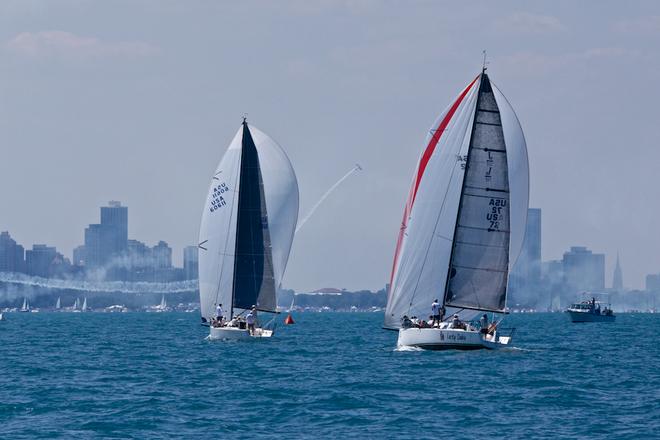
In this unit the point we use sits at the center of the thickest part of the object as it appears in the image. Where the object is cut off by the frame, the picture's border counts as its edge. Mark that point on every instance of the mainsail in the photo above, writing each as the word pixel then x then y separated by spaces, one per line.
pixel 58 304
pixel 247 225
pixel 433 223
pixel 478 268
pixel 254 281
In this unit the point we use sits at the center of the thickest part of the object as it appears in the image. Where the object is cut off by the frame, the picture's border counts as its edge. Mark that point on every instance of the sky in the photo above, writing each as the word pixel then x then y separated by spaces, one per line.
pixel 137 101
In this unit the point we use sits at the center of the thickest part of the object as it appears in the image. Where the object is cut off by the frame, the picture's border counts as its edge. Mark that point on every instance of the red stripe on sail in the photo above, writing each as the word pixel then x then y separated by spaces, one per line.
pixel 423 162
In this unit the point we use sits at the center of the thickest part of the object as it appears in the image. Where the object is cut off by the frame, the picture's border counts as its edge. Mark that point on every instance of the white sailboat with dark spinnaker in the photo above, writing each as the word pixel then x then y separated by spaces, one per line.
pixel 247 228
pixel 463 224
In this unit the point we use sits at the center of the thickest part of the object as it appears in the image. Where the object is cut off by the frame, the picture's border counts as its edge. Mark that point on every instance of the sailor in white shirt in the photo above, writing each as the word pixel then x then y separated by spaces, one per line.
pixel 435 312
pixel 219 312
pixel 251 319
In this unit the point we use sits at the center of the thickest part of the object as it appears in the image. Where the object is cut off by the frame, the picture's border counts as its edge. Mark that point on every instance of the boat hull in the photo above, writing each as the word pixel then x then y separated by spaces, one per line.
pixel 589 317
pixel 449 339
pixel 225 333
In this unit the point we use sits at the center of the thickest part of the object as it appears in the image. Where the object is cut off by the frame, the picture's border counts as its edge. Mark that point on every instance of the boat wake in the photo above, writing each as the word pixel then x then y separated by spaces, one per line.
pixel 408 348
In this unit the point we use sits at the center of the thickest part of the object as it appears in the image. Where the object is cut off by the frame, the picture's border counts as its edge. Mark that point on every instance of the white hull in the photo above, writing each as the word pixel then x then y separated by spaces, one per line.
pixel 449 339
pixel 216 333
pixel 589 317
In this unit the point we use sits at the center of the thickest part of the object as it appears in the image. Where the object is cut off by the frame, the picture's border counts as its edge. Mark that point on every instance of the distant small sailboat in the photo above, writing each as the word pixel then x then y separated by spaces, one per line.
pixel 247 227
pixel 162 307
pixel 84 306
pixel 58 304
pixel 26 306
pixel 463 225
pixel 76 306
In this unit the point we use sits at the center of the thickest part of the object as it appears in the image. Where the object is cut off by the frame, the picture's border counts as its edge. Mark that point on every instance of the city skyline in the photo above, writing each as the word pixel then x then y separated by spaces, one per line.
pixel 92 111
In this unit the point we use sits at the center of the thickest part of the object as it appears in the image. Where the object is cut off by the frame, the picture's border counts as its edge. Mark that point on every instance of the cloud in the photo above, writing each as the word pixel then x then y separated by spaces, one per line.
pixel 528 23
pixel 48 43
pixel 641 25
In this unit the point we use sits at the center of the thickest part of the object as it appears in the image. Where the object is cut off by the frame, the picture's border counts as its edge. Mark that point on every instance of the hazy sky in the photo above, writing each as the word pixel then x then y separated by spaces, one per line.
pixel 137 101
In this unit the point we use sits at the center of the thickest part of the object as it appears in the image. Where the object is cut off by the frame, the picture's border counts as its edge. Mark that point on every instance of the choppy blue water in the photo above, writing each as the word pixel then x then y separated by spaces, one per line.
pixel 330 375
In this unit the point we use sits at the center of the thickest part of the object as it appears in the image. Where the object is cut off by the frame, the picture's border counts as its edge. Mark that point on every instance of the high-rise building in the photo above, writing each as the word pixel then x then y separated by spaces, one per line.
pixel 114 220
pixel 527 270
pixel 79 256
pixel 162 255
pixel 109 239
pixel 653 282
pixel 12 255
pixel 39 260
pixel 583 270
pixel 191 262
pixel 617 279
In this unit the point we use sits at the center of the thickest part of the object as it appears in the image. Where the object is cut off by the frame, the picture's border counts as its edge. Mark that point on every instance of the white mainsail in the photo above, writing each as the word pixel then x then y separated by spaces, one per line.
pixel 163 303
pixel 218 230
pixel 84 306
pixel 428 230
pixel 58 304
pixel 26 305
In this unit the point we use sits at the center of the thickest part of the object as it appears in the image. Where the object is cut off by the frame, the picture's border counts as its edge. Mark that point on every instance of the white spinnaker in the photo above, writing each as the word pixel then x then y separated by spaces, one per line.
pixel 217 233
pixel 282 198
pixel 420 270
pixel 518 164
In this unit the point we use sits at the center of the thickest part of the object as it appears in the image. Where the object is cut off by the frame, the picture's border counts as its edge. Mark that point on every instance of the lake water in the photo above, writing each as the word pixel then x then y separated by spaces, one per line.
pixel 331 375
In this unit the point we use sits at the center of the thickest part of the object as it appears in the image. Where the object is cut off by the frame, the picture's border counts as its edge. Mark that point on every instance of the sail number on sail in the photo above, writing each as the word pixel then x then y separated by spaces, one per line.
pixel 218 201
pixel 495 215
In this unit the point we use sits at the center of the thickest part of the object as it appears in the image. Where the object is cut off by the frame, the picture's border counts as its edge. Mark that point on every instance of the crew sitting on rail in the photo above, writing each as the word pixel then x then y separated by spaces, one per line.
pixel 457 323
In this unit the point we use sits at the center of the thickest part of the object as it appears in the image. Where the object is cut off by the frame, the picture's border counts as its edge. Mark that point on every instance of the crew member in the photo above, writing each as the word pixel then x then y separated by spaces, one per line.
pixel 219 312
pixel 455 322
pixel 484 324
pixel 250 319
pixel 435 312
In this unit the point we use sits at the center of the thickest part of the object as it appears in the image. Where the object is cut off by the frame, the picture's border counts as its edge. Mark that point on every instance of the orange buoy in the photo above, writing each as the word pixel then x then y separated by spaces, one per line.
pixel 288 320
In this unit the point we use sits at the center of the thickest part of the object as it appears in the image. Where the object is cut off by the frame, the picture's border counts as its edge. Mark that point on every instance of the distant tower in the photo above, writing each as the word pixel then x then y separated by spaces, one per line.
pixel 617 280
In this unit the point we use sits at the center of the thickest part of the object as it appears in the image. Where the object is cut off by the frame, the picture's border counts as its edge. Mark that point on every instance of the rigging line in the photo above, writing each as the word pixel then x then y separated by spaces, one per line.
pixel 437 220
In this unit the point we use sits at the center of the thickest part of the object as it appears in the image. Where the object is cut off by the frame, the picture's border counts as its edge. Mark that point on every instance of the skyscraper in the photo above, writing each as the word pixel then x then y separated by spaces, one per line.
pixel 528 266
pixel 109 239
pixel 583 270
pixel 114 220
pixel 39 260
pixel 12 257
pixel 191 262
pixel 525 278
pixel 617 279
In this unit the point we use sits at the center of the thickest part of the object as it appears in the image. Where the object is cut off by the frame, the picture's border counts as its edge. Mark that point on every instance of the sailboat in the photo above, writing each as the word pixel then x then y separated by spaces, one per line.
pixel 463 226
pixel 76 306
pixel 26 306
pixel 162 307
pixel 246 232
pixel 58 304
pixel 84 306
